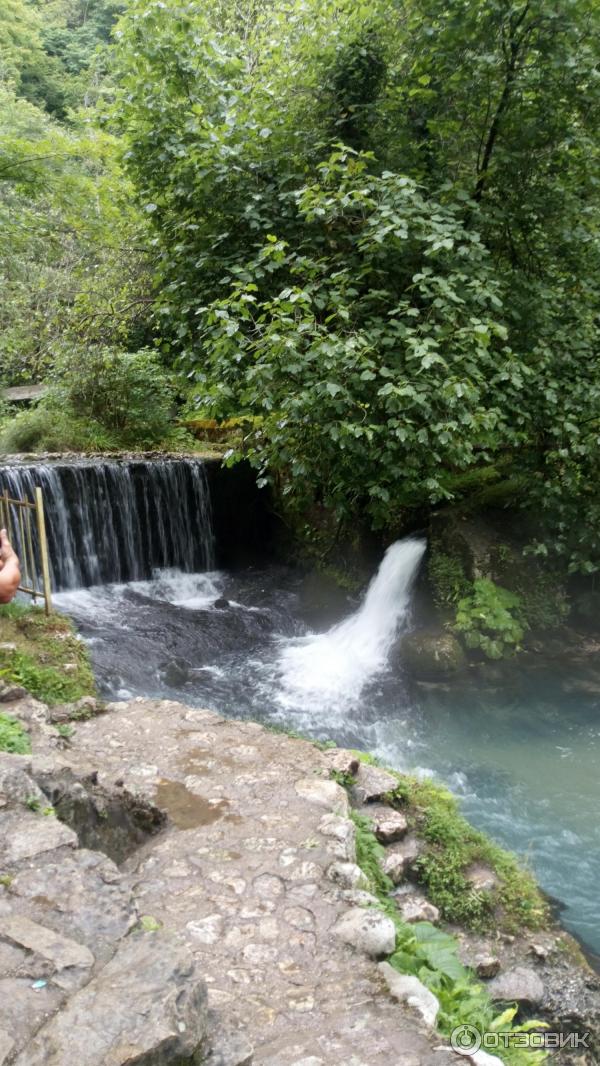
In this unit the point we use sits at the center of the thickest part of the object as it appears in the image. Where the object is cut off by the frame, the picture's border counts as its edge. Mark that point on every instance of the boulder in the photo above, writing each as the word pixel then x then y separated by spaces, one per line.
pixel 367 930
pixel 417 909
pixel 487 966
pixel 482 878
pixel 372 784
pixel 346 875
pixel 432 655
pixel 399 858
pixel 177 673
pixel 521 985
pixel 342 761
pixel 148 1005
pixel 389 826
pixel 9 693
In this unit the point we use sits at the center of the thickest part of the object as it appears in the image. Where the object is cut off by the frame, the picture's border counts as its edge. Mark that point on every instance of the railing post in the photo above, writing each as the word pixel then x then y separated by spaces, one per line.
pixel 41 524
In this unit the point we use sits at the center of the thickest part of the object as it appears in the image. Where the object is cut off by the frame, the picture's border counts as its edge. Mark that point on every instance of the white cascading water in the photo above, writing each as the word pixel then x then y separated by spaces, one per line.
pixel 328 671
pixel 118 521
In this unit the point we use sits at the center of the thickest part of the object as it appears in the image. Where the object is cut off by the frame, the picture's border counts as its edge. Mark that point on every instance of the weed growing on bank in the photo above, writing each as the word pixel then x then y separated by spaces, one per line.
pixel 429 953
pixel 453 846
pixel 13 737
pixel 42 654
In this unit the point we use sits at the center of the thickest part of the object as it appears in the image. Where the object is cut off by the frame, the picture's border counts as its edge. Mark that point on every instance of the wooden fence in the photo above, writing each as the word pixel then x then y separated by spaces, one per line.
pixel 25 524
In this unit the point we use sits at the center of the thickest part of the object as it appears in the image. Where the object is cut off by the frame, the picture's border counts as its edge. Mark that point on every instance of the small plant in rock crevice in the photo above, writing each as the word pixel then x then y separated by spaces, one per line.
pixel 448 579
pixel 13 737
pixel 64 730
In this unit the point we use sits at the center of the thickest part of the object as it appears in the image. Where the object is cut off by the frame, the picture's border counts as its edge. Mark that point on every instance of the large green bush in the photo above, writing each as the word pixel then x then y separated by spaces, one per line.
pixel 126 392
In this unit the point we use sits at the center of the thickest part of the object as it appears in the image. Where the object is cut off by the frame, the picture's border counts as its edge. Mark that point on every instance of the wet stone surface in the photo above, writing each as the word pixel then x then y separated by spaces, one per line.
pixel 232 925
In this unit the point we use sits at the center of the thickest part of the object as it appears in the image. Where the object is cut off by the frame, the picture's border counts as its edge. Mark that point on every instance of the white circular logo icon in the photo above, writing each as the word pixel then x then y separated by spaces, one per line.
pixel 465 1039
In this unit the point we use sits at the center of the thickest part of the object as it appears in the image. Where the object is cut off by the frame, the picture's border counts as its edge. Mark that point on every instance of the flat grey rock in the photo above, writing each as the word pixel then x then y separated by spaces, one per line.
pixel 6 1046
pixel 389 826
pixel 61 952
pixel 23 1009
pixel 83 896
pixel 147 1006
pixel 25 835
pixel 323 793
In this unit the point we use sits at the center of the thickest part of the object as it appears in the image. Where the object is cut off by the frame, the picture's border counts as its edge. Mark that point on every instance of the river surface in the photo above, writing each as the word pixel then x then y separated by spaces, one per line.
pixel 524 758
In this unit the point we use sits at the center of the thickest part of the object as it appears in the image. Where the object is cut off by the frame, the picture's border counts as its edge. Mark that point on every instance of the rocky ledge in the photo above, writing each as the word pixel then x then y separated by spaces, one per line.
pixel 180 888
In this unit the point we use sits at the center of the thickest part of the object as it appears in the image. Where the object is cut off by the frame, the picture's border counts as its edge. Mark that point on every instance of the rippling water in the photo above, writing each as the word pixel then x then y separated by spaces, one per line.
pixel 524 758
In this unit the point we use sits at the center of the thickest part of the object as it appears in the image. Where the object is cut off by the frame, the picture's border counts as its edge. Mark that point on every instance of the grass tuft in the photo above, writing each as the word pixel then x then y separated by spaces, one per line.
pixel 48 659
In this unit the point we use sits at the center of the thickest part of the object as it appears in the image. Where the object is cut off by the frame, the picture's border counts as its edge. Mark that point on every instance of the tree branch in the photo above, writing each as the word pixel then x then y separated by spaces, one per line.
pixel 511 48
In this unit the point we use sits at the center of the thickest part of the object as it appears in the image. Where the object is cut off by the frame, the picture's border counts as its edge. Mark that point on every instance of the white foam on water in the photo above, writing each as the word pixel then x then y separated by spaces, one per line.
pixel 326 673
pixel 191 591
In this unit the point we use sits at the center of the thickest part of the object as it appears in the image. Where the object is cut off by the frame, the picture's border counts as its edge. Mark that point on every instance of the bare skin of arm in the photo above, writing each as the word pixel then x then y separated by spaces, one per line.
pixel 10 571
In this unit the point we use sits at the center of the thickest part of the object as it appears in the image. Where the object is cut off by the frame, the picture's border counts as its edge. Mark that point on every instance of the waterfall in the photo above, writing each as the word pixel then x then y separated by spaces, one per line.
pixel 117 521
pixel 329 670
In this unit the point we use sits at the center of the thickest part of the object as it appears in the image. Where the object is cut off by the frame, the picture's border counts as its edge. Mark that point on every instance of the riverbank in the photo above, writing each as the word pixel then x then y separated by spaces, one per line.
pixel 268 879
pixel 42 655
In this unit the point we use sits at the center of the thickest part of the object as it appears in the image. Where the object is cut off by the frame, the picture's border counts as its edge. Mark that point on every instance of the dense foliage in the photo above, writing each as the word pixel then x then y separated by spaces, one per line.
pixel 377 234
pixel 73 255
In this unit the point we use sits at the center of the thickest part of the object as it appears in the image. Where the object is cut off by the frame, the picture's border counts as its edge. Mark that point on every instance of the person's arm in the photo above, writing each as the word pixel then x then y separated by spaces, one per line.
pixel 10 571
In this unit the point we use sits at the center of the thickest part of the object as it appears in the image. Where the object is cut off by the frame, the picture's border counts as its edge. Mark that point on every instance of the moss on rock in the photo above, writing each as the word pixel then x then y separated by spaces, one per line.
pixel 432 655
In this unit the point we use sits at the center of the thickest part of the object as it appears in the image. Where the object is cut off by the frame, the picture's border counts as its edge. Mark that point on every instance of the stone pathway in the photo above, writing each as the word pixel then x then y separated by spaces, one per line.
pixel 226 929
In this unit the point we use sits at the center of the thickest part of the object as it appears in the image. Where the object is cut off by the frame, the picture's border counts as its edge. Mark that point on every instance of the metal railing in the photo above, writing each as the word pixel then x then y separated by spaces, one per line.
pixel 18 518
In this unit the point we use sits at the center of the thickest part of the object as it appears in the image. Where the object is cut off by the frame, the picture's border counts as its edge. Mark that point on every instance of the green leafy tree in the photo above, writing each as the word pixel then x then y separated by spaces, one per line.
pixel 378 361
pixel 488 112
pixel 74 259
